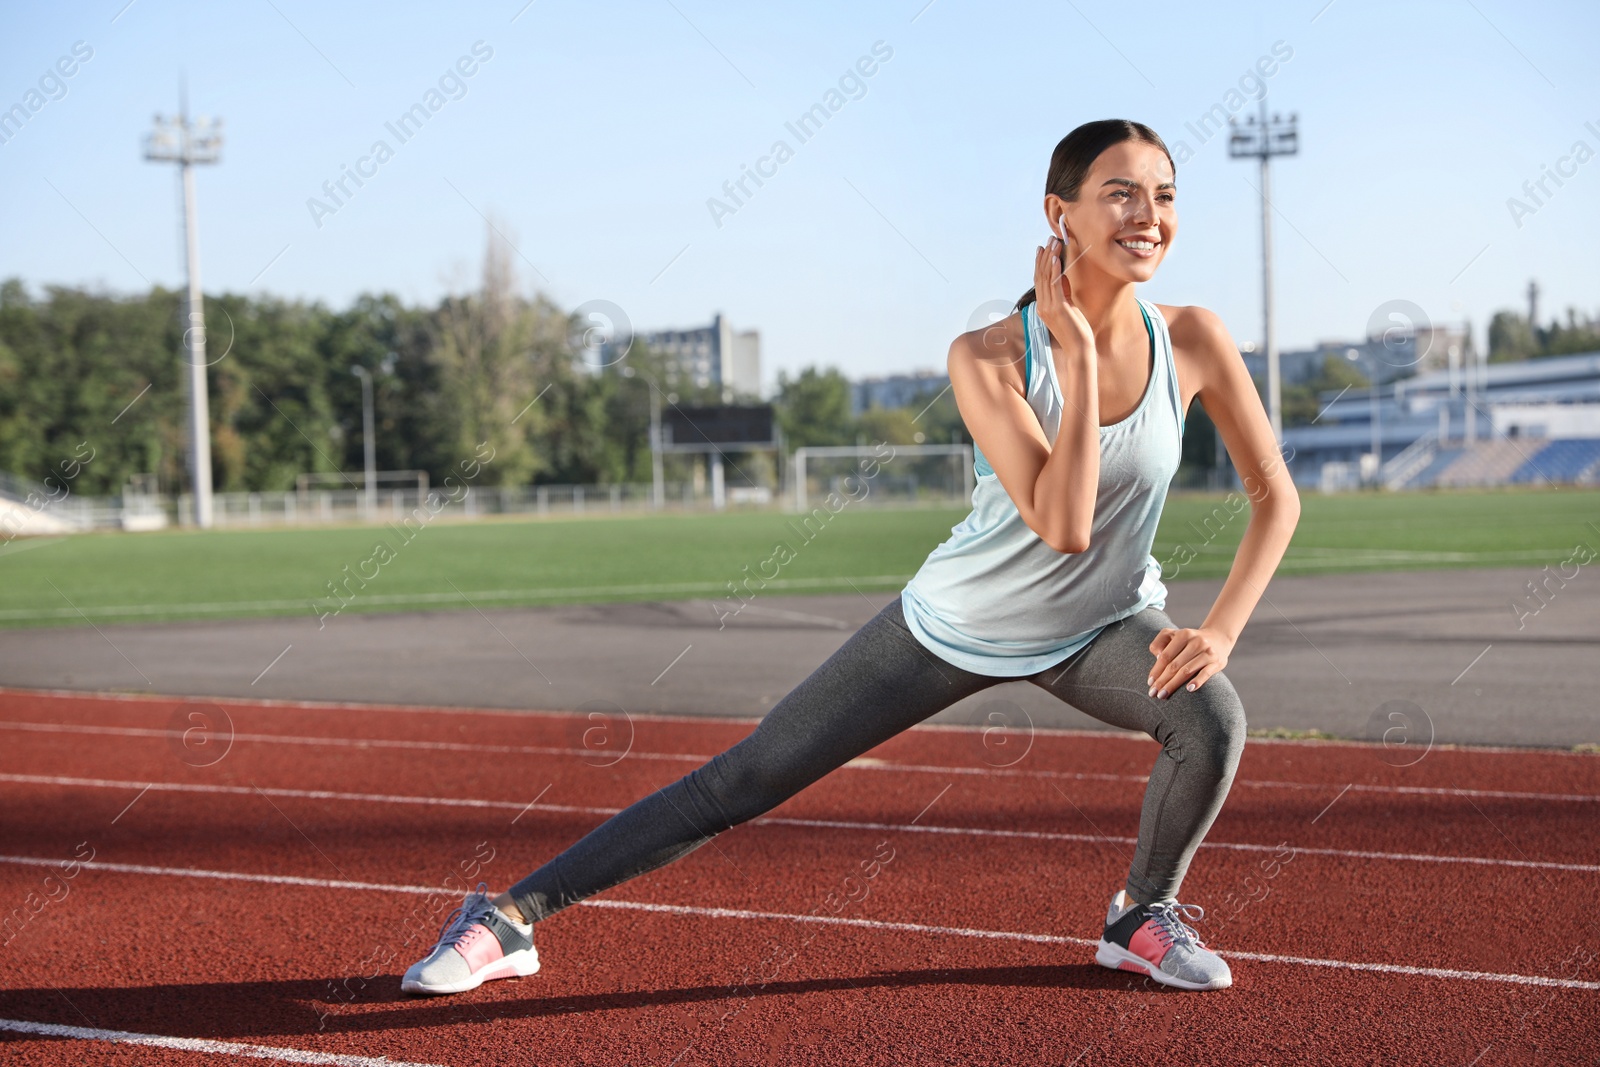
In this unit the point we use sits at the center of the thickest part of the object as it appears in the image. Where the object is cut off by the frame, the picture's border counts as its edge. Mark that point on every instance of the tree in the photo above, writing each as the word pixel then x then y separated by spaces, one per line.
pixel 1510 338
pixel 938 418
pixel 1302 403
pixel 490 348
pixel 814 408
pixel 897 426
pixel 1580 334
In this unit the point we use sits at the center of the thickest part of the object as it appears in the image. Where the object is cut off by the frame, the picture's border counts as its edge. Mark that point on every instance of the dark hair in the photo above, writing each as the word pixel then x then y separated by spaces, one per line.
pixel 1076 153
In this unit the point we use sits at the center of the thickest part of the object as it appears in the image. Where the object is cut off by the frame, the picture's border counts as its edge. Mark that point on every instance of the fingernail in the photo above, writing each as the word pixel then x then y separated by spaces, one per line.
pixel 1152 690
pixel 1161 695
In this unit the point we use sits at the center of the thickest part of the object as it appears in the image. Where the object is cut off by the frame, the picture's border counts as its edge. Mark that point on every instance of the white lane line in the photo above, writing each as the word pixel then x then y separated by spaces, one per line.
pixel 199 1044
pixel 1049 835
pixel 1425 972
pixel 1258 783
pixel 861 764
pixel 300 794
pixel 835 824
pixel 870 924
pixel 234 876
pixel 524 715
pixel 348 742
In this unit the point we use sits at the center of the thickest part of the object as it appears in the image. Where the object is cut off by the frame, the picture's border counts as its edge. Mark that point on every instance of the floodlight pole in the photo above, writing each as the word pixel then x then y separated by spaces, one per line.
pixel 658 487
pixel 1263 141
pixel 178 141
pixel 368 445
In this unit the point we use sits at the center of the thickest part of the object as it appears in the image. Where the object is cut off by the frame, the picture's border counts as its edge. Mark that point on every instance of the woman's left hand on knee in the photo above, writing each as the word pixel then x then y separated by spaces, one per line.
pixel 1186 655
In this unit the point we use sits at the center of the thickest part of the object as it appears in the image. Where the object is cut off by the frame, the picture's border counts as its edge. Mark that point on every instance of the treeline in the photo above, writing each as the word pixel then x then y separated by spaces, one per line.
pixel 1512 337
pixel 82 372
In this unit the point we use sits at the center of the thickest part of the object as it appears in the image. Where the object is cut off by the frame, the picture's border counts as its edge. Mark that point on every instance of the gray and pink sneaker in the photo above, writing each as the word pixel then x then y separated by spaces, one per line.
pixel 478 943
pixel 1153 939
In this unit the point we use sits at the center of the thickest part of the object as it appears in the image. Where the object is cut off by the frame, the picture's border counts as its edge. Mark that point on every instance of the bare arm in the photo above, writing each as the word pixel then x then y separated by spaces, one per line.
pixel 1230 398
pixel 1053 484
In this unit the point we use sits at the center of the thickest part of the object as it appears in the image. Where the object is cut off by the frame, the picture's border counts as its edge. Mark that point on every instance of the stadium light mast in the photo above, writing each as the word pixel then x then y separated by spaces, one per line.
pixel 1263 140
pixel 369 497
pixel 184 143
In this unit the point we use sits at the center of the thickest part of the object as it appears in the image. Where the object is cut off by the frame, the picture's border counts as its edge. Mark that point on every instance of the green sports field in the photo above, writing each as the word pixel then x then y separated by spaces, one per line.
pixel 114 577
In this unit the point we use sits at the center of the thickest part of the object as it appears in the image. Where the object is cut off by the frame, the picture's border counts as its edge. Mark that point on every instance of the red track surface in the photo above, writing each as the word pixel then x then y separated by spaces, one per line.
pixel 1329 878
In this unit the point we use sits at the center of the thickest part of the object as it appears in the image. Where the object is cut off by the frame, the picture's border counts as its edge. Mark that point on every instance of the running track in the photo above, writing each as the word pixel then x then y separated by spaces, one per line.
pixel 262 873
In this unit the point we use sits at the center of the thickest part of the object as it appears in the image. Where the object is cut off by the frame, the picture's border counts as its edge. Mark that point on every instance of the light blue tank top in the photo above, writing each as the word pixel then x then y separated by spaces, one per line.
pixel 996 600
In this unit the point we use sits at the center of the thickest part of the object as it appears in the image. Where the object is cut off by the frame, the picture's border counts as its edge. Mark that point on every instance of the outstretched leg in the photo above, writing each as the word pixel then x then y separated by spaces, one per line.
pixel 880 682
pixel 1201 733
pixel 1202 737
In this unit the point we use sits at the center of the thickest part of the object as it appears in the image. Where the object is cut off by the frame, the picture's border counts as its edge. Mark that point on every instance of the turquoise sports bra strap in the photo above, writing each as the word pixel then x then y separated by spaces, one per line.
pixel 1027 349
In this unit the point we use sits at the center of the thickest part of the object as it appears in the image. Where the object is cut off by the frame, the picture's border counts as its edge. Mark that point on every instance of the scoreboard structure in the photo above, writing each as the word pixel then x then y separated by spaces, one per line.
pixel 713 430
pixel 718 428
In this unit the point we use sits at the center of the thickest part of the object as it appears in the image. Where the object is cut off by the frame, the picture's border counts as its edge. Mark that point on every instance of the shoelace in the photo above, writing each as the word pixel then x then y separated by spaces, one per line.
pixel 458 922
pixel 1171 926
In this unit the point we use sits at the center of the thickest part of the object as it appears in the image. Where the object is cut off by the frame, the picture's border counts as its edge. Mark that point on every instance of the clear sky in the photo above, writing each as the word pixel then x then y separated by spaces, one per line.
pixel 596 134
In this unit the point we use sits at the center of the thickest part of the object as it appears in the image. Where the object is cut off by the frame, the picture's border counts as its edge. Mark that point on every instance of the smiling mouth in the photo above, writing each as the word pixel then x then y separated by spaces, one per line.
pixel 1141 247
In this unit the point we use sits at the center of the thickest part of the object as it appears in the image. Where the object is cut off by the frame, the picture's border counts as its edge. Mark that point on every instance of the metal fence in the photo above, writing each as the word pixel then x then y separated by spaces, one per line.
pixel 342 506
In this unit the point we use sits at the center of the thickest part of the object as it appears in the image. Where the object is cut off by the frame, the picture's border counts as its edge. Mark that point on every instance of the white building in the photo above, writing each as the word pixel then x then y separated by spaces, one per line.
pixel 716 356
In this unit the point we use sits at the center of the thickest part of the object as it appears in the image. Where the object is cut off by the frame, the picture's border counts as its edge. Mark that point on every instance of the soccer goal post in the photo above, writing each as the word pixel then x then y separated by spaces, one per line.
pixel 910 473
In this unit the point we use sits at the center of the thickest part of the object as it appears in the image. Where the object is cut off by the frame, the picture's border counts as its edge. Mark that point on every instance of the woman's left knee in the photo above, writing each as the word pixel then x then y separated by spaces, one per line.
pixel 1210 722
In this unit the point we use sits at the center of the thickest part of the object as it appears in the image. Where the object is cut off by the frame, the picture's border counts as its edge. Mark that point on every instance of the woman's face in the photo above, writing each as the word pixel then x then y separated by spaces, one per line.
pixel 1128 198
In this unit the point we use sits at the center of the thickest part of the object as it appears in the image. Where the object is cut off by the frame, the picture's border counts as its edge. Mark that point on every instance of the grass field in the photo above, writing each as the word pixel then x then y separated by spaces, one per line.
pixel 190 574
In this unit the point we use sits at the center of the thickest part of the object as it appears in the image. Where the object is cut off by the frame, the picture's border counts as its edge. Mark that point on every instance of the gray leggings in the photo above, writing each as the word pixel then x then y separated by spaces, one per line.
pixel 882 681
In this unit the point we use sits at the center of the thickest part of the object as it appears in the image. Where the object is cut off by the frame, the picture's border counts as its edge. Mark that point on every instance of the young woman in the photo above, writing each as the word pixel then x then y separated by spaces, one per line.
pixel 1076 405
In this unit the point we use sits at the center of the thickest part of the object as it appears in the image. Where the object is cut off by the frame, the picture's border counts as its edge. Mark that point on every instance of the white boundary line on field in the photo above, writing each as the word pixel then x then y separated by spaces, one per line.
pixel 1293 559
pixel 833 824
pixel 861 763
pixel 869 924
pixel 459 598
pixel 200 1044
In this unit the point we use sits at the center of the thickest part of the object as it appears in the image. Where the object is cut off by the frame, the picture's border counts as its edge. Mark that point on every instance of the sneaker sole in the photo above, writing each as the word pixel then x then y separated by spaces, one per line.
pixel 519 964
pixel 1114 956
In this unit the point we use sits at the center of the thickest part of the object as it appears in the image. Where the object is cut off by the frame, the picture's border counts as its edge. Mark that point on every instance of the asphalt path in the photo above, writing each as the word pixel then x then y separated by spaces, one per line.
pixel 1445 650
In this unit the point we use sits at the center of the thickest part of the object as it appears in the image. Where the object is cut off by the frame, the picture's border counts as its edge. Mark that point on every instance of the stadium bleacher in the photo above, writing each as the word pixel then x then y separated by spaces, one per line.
pixel 1566 459
pixel 1486 463
pixel 1424 478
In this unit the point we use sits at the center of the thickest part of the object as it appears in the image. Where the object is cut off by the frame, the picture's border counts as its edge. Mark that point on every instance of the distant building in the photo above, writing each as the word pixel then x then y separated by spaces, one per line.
pixel 715 356
pixel 1394 357
pixel 896 390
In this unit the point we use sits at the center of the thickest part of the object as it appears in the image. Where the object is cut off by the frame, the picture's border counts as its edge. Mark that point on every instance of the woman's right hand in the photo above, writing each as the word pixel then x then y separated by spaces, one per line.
pixel 1070 334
